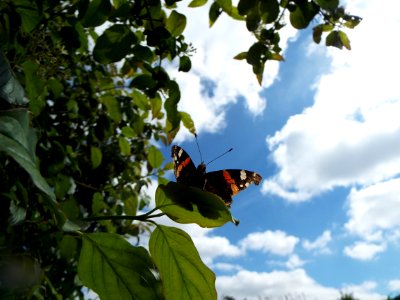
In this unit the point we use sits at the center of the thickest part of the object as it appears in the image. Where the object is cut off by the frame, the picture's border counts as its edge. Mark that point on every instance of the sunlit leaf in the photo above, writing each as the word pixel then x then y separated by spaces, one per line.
pixel 188 122
pixel 328 4
pixel 155 157
pixel 226 5
pixel 345 40
pixel 183 274
pixel 95 156
pixel 114 269
pixel 197 3
pixel 186 204
pixel 176 23
pixel 112 106
pixel 124 146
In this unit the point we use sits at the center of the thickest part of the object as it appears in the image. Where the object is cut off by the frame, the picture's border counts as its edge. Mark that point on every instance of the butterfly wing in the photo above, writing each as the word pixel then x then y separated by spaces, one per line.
pixel 227 183
pixel 184 169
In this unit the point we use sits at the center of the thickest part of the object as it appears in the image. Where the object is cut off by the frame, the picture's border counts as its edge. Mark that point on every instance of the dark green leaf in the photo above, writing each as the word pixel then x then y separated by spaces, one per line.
pixel 328 4
pixel 197 3
pixel 182 272
pixel 97 13
pixel 214 13
pixel 29 14
pixel 186 204
pixel 68 246
pixel 35 87
pixel 303 14
pixel 333 39
pixel 143 82
pixel 114 44
pixel 185 64
pixel 95 156
pixel 351 21
pixel 10 89
pixel 269 10
pixel 317 33
pixel 155 157
pixel 114 269
pixel 176 23
pixel 253 19
pixel 171 105
pixel 112 106
pixel 156 105
pixel 244 6
pixel 17 214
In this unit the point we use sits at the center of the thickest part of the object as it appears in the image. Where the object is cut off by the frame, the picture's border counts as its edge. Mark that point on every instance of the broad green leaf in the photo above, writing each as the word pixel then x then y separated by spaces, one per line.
pixel 124 146
pixel 155 157
pixel 35 87
pixel 351 21
pixel 112 106
pixel 29 14
pixel 68 246
pixel 19 142
pixel 226 5
pixel 185 205
pixel 95 156
pixel 253 19
pixel 55 86
pixel 114 269
pixel 143 82
pixel 176 23
pixel 171 105
pixel 269 10
pixel 114 44
pixel 97 13
pixel 333 39
pixel 188 122
pixel 317 33
pixel 328 4
pixel 128 132
pixel 345 40
pixel 297 19
pixel 244 6
pixel 197 3
pixel 214 12
pixel 156 105
pixel 183 274
pixel 185 64
pixel 10 89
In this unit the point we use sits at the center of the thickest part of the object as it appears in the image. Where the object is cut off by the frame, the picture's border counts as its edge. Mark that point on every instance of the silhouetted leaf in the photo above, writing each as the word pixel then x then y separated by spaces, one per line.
pixel 97 13
pixel 183 274
pixel 214 12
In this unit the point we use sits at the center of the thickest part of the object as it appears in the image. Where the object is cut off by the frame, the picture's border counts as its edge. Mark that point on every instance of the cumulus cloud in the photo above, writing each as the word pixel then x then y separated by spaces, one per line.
pixel 349 136
pixel 394 285
pixel 320 244
pixel 216 79
pixel 274 242
pixel 364 250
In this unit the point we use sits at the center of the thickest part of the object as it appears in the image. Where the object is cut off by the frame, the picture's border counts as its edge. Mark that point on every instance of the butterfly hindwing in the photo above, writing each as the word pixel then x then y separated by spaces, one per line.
pixel 184 168
pixel 227 183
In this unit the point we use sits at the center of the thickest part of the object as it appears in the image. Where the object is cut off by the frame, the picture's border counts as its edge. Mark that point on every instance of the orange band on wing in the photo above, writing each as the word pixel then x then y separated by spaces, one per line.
pixel 184 164
pixel 228 179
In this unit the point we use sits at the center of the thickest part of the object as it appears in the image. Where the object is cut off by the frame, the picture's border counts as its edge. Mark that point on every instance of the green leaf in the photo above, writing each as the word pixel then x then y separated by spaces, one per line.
pixel 113 107
pixel 269 10
pixel 185 64
pixel 114 44
pixel 68 247
pixel 328 4
pixel 95 156
pixel 114 269
pixel 19 142
pixel 351 21
pixel 182 272
pixel 317 33
pixel 244 6
pixel 241 56
pixel 128 132
pixel 171 105
pixel 17 214
pixel 214 12
pixel 226 6
pixel 197 3
pixel 55 86
pixel 253 19
pixel 156 105
pixel 303 14
pixel 176 23
pixel 10 89
pixel 333 39
pixel 185 205
pixel 345 40
pixel 155 157
pixel 35 87
pixel 29 14
pixel 143 82
pixel 124 146
pixel 97 13
pixel 188 122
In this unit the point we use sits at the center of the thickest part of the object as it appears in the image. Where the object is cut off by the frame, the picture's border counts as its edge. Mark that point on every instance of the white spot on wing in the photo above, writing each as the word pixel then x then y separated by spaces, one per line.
pixel 243 175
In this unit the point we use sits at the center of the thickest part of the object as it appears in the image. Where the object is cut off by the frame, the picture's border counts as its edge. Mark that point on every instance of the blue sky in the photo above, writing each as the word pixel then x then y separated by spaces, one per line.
pixel 324 132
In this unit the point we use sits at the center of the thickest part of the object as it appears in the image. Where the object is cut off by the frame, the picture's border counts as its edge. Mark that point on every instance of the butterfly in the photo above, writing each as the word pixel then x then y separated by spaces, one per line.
pixel 223 183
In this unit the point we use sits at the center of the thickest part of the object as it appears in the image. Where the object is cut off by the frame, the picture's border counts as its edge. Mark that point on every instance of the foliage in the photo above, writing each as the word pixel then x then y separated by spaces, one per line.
pixel 83 98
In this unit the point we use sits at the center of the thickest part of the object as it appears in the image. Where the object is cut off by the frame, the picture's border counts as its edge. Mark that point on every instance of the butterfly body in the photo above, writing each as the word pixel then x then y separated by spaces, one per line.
pixel 223 183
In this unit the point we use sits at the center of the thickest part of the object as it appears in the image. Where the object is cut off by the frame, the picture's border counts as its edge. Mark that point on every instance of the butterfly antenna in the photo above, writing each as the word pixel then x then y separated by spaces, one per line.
pixel 198 147
pixel 220 156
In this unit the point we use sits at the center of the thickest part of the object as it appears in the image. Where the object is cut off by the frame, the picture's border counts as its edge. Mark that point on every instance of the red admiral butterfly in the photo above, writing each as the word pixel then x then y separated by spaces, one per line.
pixel 223 183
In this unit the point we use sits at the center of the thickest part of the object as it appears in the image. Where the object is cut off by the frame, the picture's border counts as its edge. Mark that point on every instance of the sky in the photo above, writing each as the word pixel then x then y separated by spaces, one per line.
pixel 324 132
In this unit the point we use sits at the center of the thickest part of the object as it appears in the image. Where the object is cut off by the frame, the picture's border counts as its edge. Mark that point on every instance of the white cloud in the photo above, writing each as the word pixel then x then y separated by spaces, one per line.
pixel 394 285
pixel 295 284
pixel 275 242
pixel 294 262
pixel 371 209
pixel 227 267
pixel 320 244
pixel 350 134
pixel 364 250
pixel 213 63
